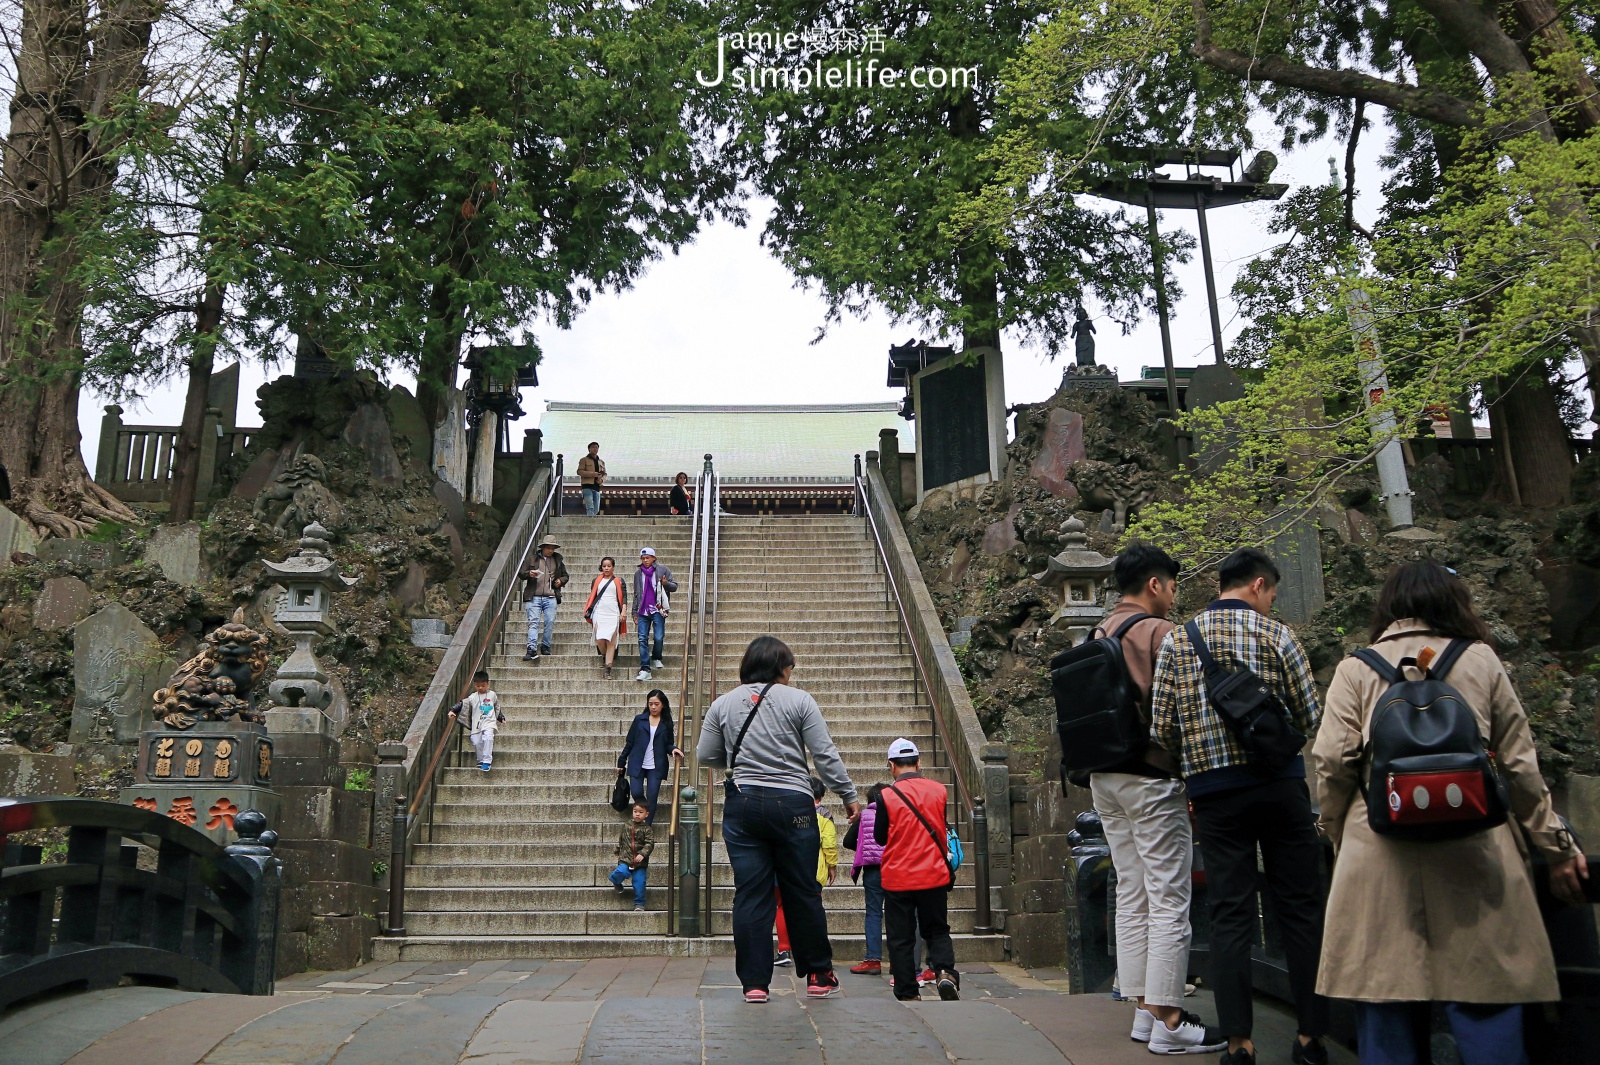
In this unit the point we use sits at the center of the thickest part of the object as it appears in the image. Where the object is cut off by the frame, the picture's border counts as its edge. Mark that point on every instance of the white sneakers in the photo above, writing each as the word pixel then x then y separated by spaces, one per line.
pixel 658 664
pixel 1143 1021
pixel 644 674
pixel 1190 1037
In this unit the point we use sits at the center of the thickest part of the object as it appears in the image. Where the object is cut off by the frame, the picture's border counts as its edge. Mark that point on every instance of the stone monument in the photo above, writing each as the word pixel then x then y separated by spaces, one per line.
pixel 211 759
pixel 1079 571
pixel 117 663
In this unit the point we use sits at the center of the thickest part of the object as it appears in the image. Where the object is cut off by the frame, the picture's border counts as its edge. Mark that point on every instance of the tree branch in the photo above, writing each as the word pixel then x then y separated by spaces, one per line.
pixel 1430 104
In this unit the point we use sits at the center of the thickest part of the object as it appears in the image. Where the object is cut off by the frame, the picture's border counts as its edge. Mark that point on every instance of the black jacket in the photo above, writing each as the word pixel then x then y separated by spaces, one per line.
pixel 632 756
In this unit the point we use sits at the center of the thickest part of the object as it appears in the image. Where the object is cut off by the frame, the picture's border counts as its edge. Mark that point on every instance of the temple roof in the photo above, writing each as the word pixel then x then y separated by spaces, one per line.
pixel 806 443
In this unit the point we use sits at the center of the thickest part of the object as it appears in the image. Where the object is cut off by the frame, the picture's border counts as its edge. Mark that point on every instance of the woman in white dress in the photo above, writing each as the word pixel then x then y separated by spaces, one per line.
pixel 607 611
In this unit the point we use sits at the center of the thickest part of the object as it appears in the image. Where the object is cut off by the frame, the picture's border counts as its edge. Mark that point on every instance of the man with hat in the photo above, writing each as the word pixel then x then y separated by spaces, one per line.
pixel 909 824
pixel 652 584
pixel 541 591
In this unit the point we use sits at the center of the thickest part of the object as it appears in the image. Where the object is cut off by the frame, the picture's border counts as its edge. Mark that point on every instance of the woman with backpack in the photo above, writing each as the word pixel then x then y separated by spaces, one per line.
pixel 1431 897
pixel 606 610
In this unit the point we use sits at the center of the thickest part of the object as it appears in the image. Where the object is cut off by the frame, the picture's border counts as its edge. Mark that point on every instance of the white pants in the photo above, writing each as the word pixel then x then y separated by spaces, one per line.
pixel 483 743
pixel 1146 821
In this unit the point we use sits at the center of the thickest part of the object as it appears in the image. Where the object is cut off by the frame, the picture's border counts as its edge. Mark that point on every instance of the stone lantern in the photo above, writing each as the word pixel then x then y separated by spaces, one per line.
pixel 307 737
pixel 1080 573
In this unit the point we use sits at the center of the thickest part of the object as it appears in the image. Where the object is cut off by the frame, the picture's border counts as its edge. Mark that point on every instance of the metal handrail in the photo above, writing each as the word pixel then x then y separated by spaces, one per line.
pixel 962 790
pixel 696 561
pixel 716 576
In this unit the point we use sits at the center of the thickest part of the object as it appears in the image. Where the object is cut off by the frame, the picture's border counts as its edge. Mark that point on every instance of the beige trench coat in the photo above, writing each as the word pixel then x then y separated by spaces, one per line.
pixel 1444 922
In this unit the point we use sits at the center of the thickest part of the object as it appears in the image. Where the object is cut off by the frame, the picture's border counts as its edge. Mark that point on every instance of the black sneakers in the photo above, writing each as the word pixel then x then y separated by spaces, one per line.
pixel 1312 1053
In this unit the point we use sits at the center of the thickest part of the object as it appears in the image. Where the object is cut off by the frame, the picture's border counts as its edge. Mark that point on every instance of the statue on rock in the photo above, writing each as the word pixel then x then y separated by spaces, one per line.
pixel 1123 489
pixel 1083 338
pixel 215 684
pixel 303 491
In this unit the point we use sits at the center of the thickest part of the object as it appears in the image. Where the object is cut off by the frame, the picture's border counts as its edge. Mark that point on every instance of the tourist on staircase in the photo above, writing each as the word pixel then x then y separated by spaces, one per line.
pixel 606 610
pixel 866 870
pixel 541 591
pixel 648 749
pixel 652 587
pixel 827 868
pixel 909 825
pixel 484 716
pixel 1444 911
pixel 591 477
pixel 760 733
pixel 633 855
pixel 678 502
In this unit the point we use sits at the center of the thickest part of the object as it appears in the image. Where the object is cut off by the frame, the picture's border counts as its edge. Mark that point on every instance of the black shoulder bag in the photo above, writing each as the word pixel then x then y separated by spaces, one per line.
pixel 729 788
pixel 588 615
pixel 1253 713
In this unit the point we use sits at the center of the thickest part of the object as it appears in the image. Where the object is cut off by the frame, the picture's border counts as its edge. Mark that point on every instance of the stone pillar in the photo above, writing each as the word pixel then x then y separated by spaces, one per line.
pixel 889 459
pixel 996 790
pixel 106 456
pixel 388 781
pixel 532 441
pixel 483 459
pixel 208 455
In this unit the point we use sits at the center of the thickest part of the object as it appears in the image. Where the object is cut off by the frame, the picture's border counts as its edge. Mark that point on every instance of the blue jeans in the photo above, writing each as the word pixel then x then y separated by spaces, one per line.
pixel 591 501
pixel 1396 1033
pixel 771 834
pixel 872 884
pixel 646 788
pixel 658 623
pixel 541 621
pixel 639 875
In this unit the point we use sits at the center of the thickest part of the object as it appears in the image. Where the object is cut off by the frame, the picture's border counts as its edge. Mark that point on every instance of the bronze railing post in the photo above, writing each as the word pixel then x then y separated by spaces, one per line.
pixel 397 869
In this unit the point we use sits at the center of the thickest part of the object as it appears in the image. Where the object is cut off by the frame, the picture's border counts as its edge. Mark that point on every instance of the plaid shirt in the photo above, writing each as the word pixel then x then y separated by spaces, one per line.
pixel 1182 718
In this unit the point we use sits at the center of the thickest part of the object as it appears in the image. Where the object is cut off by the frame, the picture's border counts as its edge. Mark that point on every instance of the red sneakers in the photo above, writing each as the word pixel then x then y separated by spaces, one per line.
pixel 756 996
pixel 869 967
pixel 822 985
pixel 926 977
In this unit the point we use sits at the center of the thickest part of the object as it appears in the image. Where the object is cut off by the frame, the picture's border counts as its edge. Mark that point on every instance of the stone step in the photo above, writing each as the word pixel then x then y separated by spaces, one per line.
pixel 490 860
pixel 476 873
pixel 969 948
pixel 463 798
pixel 838 899
pixel 581 668
pixel 617 918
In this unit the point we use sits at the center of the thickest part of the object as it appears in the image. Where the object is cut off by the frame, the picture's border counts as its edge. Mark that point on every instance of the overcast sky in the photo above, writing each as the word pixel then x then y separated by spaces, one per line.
pixel 724 322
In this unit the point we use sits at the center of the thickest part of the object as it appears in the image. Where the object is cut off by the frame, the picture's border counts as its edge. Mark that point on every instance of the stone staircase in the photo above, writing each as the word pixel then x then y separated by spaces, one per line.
pixel 517 863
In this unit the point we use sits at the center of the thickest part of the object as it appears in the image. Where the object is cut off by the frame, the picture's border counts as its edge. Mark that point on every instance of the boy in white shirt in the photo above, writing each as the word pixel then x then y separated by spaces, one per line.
pixel 482 708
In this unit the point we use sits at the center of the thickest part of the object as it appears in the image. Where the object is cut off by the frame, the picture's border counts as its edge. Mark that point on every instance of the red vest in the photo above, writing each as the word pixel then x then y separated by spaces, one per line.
pixel 912 861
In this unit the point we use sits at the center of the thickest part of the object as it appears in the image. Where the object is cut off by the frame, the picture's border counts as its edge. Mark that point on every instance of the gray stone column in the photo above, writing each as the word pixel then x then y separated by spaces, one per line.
pixel 889 460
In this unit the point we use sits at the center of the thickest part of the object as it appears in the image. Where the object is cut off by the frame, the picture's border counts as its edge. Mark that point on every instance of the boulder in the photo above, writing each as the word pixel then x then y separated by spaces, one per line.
pixel 458 552
pixel 455 508
pixel 412 586
pixel 16 536
pixel 1574 592
pixel 409 427
pixel 960 559
pixel 92 555
pixel 175 549
pixel 117 665
pixel 368 432
pixel 256 476
pixel 430 632
pixel 1001 536
pixel 62 603
pixel 1063 445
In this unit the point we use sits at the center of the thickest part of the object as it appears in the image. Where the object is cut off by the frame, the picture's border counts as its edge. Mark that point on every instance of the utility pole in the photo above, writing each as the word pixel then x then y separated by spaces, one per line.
pixel 1391 460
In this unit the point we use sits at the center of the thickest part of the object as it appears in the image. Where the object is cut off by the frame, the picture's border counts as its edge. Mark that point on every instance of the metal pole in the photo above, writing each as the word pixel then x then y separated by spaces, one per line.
pixel 983 920
pixel 689 871
pixel 1391 461
pixel 1159 262
pixel 1211 277
pixel 560 491
pixel 397 869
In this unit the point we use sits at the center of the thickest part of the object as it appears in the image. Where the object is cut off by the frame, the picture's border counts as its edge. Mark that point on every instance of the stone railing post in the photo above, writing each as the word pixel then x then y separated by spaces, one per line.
pixel 996 791
pixel 208 458
pixel 388 780
pixel 889 461
pixel 106 456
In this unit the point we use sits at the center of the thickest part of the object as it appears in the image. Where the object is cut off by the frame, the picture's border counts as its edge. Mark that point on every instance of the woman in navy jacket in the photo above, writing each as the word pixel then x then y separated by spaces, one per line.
pixel 648 748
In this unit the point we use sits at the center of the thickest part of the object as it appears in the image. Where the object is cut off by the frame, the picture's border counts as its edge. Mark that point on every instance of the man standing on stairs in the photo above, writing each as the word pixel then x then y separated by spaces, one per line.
pixel 652 584
pixel 591 476
pixel 541 591
pixel 760 733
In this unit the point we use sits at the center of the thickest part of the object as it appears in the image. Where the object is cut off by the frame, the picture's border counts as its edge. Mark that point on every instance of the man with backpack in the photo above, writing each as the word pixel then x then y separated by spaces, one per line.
pixel 1233 700
pixel 909 824
pixel 1143 808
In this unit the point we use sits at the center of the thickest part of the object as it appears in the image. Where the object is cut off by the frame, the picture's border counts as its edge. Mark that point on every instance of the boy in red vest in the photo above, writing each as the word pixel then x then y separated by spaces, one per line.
pixel 908 823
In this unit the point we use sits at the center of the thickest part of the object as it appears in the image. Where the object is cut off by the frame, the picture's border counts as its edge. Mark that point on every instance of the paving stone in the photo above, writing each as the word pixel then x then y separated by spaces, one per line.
pixel 627 1028
pixel 423 1030
pixel 780 1032
pixel 310 1032
pixel 873 1029
pixel 532 1033
pixel 181 1034
pixel 983 1033
pixel 43 1038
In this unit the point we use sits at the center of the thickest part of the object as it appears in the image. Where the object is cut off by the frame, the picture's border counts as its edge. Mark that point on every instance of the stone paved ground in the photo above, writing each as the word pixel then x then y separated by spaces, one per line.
pixel 615 1011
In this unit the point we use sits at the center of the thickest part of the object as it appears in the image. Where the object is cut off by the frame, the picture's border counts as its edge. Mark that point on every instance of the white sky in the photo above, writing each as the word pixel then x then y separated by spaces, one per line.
pixel 724 322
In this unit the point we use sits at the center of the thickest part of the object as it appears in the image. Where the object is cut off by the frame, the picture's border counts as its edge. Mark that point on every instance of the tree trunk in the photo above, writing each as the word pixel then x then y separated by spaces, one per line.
pixel 441 353
pixel 186 461
pixel 1525 422
pixel 55 161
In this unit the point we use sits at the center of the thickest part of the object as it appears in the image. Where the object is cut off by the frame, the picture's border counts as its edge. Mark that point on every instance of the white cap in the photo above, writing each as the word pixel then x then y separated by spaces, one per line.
pixel 643 551
pixel 903 748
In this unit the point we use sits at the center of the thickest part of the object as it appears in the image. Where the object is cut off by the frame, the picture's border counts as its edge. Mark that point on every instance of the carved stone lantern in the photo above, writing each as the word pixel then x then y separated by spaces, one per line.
pixel 1080 573
pixel 310 577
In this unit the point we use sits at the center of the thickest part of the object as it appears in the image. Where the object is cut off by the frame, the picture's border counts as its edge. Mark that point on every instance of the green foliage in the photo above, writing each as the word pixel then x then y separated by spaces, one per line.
pixel 358 779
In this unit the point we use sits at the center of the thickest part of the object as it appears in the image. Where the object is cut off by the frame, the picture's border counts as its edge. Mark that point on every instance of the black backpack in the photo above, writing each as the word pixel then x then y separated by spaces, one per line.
pixel 1098 716
pixel 1251 710
pixel 1429 775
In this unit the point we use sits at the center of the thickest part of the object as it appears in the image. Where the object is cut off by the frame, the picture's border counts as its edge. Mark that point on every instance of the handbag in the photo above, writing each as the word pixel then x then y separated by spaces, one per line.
pixel 588 615
pixel 729 788
pixel 950 845
pixel 621 795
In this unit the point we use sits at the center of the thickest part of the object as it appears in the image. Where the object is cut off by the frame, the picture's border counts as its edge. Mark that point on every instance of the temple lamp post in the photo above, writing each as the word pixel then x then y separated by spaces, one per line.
pixel 1197 192
pixel 491 388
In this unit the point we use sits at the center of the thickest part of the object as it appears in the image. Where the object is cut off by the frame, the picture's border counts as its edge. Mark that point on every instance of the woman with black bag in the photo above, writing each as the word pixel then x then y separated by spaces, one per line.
pixel 760 733
pixel 648 750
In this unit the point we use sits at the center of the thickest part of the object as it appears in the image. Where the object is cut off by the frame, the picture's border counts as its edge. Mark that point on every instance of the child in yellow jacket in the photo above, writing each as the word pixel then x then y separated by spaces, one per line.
pixel 828 854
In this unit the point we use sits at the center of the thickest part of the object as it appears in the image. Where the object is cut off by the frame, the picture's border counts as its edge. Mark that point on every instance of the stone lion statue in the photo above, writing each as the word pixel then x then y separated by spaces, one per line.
pixel 303 493
pixel 1123 489
pixel 214 685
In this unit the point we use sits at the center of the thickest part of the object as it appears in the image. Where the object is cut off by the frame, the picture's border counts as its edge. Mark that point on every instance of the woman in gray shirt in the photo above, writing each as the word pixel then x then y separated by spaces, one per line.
pixel 760 732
